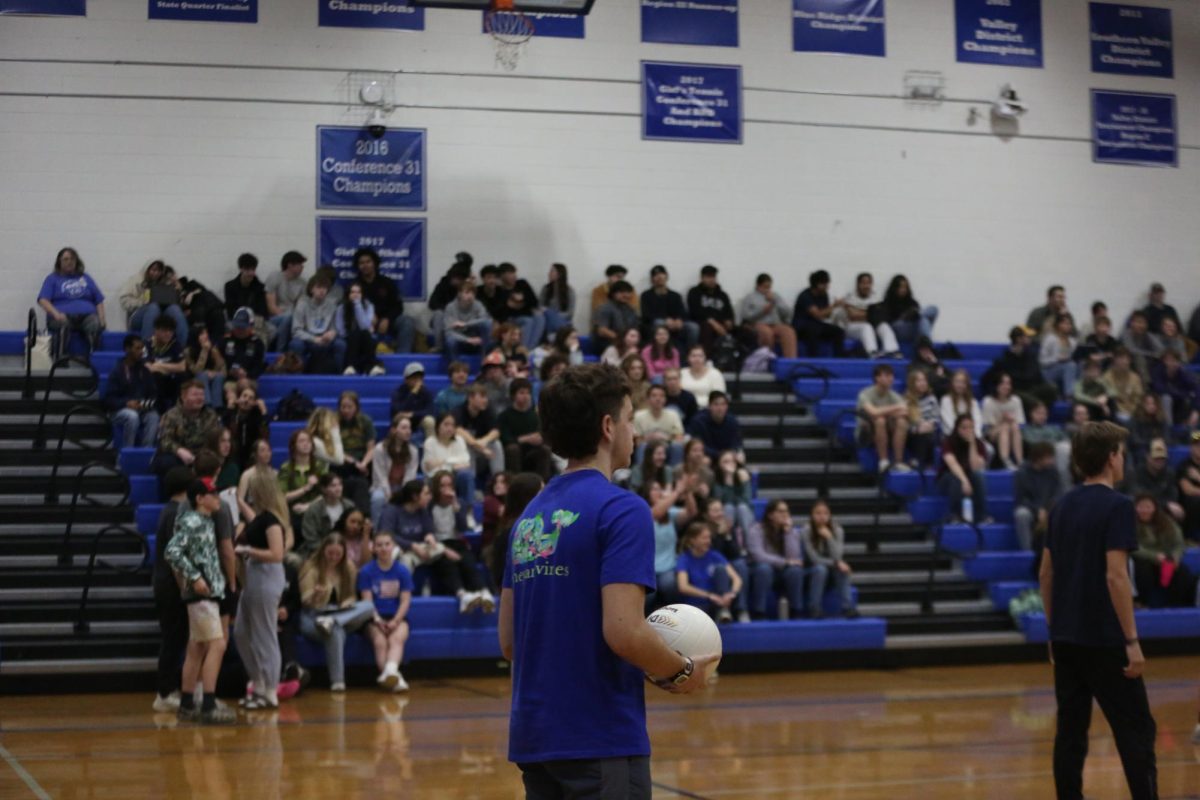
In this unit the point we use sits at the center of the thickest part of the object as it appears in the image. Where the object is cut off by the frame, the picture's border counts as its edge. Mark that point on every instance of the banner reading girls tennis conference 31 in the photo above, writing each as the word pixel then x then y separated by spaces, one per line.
pixel 1129 128
pixel 691 102
pixel 205 10
pixel 560 26
pixel 49 8
pixel 390 14
pixel 710 22
pixel 357 170
pixel 399 242
pixel 990 33
pixel 1132 40
pixel 854 27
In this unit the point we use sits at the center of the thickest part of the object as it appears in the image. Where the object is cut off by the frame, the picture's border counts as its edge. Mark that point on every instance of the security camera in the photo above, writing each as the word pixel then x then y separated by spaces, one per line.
pixel 377 124
pixel 1009 105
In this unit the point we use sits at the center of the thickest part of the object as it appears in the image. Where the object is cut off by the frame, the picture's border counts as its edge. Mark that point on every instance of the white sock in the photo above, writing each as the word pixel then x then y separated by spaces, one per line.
pixel 391 667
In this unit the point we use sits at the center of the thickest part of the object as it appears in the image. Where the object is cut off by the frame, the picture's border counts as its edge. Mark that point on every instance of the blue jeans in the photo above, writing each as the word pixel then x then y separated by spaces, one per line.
pixel 214 389
pixel 141 321
pixel 401 332
pixel 787 580
pixel 1063 375
pixel 722 583
pixel 283 331
pixel 555 320
pixel 952 488
pixel 818 576
pixel 532 329
pixel 336 350
pixel 910 330
pixel 454 343
pixel 464 485
pixel 665 591
pixel 742 515
pixel 345 621
pixel 137 429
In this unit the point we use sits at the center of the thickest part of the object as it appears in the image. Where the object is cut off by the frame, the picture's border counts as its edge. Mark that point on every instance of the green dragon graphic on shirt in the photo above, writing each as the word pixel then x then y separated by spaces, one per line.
pixel 532 541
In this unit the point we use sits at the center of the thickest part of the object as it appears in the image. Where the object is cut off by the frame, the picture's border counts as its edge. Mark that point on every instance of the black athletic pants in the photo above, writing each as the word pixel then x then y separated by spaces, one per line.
pixel 173 623
pixel 1083 673
pixel 591 779
pixel 453 576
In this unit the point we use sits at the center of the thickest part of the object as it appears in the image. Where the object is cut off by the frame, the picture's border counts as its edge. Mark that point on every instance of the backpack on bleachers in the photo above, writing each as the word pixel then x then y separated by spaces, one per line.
pixel 295 406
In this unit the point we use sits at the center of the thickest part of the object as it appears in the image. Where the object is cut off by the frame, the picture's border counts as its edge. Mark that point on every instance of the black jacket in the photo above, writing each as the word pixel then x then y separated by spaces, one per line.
pixel 661 306
pixel 125 384
pixel 384 296
pixel 705 304
pixel 253 297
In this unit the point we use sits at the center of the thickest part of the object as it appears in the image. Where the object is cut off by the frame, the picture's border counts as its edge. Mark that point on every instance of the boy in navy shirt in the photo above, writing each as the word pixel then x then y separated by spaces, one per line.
pixel 388 584
pixel 1089 609
pixel 578 566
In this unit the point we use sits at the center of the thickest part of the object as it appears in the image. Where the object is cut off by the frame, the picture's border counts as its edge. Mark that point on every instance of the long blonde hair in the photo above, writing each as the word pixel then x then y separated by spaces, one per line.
pixel 314 567
pixel 269 497
pixel 321 426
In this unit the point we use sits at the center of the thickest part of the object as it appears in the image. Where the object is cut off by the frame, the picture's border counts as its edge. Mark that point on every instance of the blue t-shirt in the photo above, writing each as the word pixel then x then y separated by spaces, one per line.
pixel 385 586
pixel 700 571
pixel 666 541
pixel 1085 524
pixel 573 697
pixel 71 294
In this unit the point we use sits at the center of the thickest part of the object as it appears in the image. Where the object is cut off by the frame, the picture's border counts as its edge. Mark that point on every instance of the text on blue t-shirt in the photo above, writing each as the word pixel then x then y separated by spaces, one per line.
pixel 385 586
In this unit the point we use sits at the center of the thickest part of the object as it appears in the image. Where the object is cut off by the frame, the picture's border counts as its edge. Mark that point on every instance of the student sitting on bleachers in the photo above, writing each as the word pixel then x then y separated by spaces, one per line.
pixel 1041 319
pixel 1172 340
pixel 710 308
pixel 393 464
pixel 1056 355
pixel 662 305
pixel 1157 310
pixel 413 399
pixel 959 401
pixel 165 358
pixel 247 422
pixel 961 475
pixel 392 324
pixel 285 289
pixel 246 290
pixel 661 499
pixel 1020 362
pixel 557 299
pixel 728 539
pixel 654 467
pixel 776 561
pixel 886 418
pixel 1036 489
pixel 206 364
pixel 221 444
pixel 566 344
pixel 627 344
pixel 657 423
pixel 1092 391
pixel 356 529
pixel 1141 344
pixel 1189 487
pixel 72 302
pixel 704 577
pixel 1100 345
pixel 388 585
pixel 299 476
pixel 494 378
pixel 768 318
pixel 695 472
pixel 1003 415
pixel 1158 573
pixel 131 394
pixel 509 344
pixel 466 324
pixel 639 379
pixel 319 518
pixel 680 399
pixel 824 547
pixel 184 429
pixel 245 354
pixel 553 365
pixel 456 570
pixel 1037 430
pixel 926 360
pixel 901 310
pixel 314 334
pixel 1148 424
pixel 700 379
pixel 1155 477
pixel 1178 389
pixel 732 487
pixel 358 444
pixel 1124 386
pixel 520 433
pixel 332 608
pixel 478 427
pixel 661 354
pixel 520 306
pixel 813 314
pixel 614 319
pixel 855 316
pixel 448 451
pixel 718 428
pixel 924 418
pixel 355 324
pixel 450 398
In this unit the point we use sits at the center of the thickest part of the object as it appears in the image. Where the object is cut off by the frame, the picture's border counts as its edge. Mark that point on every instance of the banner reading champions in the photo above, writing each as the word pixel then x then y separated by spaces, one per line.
pixel 853 27
pixel 1008 34
pixel 691 102
pixel 399 242
pixel 710 22
pixel 205 10
pixel 390 14
pixel 48 8
pixel 1130 128
pixel 357 170
pixel 1132 40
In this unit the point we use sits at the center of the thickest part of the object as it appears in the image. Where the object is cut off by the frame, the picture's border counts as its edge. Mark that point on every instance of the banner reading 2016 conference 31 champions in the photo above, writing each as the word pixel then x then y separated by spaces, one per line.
pixel 1130 128
pixel 990 33
pixel 691 102
pixel 48 8
pixel 854 27
pixel 356 170
pixel 399 242
pixel 710 22
pixel 205 10
pixel 1132 40
pixel 389 14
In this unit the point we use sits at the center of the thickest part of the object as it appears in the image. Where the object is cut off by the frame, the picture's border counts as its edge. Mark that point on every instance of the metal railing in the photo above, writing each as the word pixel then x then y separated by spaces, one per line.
pixel 64 553
pixel 52 485
pixel 939 552
pixel 91 388
pixel 31 333
pixel 797 372
pixel 81 622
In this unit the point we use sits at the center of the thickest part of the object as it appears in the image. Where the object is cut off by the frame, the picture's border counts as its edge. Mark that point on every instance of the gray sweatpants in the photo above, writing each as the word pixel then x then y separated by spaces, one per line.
pixel 254 630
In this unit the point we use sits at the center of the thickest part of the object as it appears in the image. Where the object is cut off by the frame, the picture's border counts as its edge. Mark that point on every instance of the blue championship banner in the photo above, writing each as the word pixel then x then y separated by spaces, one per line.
pixel 691 102
pixel 356 170
pixel 710 22
pixel 46 8
pixel 1132 128
pixel 1132 40
pixel 561 26
pixel 389 14
pixel 205 10
pixel 989 33
pixel 851 27
pixel 399 242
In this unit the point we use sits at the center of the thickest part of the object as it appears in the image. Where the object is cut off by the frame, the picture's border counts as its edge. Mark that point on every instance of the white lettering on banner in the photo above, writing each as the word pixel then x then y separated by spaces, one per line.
pixel 1131 62
pixel 371 8
pixel 999 25
pixel 830 21
pixel 192 6
pixel 687 5
pixel 999 49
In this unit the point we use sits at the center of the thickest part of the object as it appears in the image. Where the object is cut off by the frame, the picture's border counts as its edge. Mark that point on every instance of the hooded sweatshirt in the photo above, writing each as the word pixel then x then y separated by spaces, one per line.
pixel 311 319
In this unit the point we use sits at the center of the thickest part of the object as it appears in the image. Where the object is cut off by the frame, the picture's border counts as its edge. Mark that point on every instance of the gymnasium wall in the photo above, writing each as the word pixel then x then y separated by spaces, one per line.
pixel 210 152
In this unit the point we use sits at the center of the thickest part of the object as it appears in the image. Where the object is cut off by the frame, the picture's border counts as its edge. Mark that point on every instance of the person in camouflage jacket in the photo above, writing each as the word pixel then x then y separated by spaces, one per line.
pixel 184 429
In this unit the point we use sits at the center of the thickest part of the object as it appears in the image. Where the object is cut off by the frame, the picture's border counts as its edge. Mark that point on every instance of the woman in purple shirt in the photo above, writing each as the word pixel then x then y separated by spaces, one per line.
pixel 72 301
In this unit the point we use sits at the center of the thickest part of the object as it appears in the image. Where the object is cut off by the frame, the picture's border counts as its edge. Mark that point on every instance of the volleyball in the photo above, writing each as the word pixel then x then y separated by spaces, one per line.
pixel 688 631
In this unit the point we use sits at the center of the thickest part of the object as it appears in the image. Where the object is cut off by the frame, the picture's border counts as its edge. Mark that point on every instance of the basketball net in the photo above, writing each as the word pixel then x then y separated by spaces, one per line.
pixel 510 30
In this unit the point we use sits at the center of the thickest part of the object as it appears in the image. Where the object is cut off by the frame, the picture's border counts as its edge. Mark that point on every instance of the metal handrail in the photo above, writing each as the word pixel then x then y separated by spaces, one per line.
pixel 39 436
pixel 52 485
pixel 64 553
pixel 30 343
pixel 81 623
pixel 940 551
pixel 796 372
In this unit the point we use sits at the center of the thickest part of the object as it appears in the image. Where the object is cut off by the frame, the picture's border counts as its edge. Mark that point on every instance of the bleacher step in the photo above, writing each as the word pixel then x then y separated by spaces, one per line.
pixel 78 666
pixel 9 630
pixel 950 641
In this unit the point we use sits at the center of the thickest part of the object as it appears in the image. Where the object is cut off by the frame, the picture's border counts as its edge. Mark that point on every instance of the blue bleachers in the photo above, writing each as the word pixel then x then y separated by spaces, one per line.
pixel 1158 623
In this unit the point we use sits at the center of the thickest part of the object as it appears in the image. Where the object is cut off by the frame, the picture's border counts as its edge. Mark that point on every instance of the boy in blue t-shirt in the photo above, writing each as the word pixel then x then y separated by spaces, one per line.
pixel 388 584
pixel 579 562
pixel 704 577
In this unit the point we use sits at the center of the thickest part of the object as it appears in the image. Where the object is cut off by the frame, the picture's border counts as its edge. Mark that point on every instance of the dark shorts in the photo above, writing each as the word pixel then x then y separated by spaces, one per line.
pixel 229 604
pixel 589 779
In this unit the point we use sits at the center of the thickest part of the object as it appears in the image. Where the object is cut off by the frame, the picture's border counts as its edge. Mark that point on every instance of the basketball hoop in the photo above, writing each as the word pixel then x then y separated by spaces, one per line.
pixel 510 30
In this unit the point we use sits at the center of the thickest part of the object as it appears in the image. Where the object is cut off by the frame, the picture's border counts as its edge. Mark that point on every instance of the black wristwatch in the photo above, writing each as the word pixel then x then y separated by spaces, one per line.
pixel 678 679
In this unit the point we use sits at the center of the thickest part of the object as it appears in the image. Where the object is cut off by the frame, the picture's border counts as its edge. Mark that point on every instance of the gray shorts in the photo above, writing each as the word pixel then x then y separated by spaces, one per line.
pixel 588 779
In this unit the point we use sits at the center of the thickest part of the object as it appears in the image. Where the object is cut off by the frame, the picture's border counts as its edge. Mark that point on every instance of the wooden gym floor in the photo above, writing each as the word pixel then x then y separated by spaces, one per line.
pixel 970 732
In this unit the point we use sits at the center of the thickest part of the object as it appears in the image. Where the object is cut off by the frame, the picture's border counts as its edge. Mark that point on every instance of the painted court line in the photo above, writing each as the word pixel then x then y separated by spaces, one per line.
pixel 33 785
pixel 678 791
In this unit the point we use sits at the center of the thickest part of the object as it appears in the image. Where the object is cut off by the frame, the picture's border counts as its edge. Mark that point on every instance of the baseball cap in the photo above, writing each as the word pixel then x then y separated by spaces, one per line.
pixel 1158 449
pixel 243 319
pixel 494 359
pixel 199 488
pixel 414 368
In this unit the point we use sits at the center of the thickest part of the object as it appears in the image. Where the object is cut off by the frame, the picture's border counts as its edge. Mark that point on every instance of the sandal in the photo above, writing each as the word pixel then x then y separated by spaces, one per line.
pixel 256 702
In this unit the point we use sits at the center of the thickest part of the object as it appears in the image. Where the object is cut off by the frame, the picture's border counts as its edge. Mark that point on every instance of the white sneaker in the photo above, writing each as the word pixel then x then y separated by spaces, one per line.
pixel 724 616
pixel 337 687
pixel 377 370
pixel 467 601
pixel 168 703
pixel 349 371
pixel 389 677
pixel 487 602
pixel 901 467
pixel 325 625
pixel 884 465
pixel 743 616
pixel 401 684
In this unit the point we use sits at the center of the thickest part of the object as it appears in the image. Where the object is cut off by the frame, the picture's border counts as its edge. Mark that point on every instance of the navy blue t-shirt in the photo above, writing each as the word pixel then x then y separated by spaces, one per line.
pixel 1086 523
pixel 385 586
pixel 573 697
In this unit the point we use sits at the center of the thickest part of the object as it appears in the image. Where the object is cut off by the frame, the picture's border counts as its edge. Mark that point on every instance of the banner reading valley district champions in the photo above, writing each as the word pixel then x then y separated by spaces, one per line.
pixel 355 169
pixel 1132 40
pixel 691 102
pixel 710 22
pixel 390 14
pixel 1129 128
pixel 399 242
pixel 1009 34
pixel 205 10
pixel 49 8
pixel 854 27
